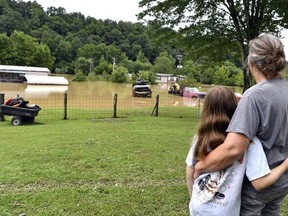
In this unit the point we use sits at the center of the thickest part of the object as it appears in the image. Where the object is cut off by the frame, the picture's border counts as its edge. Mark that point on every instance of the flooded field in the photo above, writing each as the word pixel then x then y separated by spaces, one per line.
pixel 95 99
pixel 94 93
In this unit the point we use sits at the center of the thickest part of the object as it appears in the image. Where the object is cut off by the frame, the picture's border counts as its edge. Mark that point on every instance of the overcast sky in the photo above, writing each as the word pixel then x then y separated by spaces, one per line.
pixel 285 42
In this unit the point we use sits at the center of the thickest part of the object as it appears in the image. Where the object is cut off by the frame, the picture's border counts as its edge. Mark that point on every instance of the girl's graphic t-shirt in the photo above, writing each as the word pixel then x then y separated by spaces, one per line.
pixel 219 193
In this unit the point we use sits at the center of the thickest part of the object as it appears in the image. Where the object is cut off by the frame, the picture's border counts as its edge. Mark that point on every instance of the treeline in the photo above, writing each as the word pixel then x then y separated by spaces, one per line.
pixel 99 49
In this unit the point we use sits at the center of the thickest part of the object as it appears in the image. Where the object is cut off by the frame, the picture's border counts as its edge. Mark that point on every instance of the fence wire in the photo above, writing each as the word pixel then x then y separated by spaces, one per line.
pixel 90 106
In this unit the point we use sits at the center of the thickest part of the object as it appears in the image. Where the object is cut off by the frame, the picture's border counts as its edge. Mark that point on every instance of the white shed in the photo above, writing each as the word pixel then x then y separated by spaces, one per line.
pixel 30 75
pixel 45 80
pixel 168 78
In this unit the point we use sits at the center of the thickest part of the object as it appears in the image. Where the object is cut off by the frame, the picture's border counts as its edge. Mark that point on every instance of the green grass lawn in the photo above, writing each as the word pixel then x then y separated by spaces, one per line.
pixel 122 166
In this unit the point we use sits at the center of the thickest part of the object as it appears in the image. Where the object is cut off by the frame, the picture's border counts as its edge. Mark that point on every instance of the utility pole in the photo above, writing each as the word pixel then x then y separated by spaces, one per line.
pixel 91 64
pixel 114 63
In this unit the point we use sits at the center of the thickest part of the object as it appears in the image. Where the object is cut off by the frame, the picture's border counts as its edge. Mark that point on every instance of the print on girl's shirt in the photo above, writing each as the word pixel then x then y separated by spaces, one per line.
pixel 212 187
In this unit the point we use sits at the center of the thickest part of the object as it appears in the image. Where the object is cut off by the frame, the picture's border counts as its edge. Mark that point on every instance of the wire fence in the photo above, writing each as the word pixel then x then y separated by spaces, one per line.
pixel 77 106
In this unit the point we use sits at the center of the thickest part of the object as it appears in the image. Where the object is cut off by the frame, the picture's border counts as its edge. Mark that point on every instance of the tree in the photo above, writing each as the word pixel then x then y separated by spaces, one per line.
pixel 164 64
pixel 63 51
pixel 5 49
pixel 102 67
pixel 43 57
pixel 148 76
pixel 114 54
pixel 114 37
pixel 142 58
pixel 49 37
pixel 142 63
pixel 211 26
pixel 84 65
pixel 11 21
pixel 25 50
pixel 119 75
pixel 72 35
pixel 128 64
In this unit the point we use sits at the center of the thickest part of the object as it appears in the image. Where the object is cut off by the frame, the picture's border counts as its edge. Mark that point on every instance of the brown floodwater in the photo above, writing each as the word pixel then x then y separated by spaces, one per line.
pixel 95 93
pixel 80 93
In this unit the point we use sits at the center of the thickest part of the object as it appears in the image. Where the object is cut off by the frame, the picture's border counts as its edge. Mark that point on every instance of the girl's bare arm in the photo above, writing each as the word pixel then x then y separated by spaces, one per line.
pixel 189 178
pixel 271 178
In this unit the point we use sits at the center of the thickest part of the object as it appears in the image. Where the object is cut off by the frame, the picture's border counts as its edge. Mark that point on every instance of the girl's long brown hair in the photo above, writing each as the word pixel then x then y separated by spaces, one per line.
pixel 219 106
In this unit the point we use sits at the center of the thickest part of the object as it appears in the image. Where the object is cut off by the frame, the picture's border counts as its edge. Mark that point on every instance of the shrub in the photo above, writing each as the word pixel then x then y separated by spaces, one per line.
pixel 119 75
pixel 80 77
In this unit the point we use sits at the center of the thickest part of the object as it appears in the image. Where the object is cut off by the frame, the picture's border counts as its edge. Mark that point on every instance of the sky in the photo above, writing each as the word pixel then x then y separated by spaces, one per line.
pixel 285 42
pixel 115 10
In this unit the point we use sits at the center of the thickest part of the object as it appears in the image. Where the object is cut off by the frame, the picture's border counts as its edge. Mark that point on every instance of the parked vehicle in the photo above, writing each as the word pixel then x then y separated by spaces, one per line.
pixel 140 82
pixel 176 89
pixel 193 93
pixel 141 89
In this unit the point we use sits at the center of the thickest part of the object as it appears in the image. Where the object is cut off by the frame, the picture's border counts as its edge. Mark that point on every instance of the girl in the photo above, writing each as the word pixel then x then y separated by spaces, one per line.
pixel 219 193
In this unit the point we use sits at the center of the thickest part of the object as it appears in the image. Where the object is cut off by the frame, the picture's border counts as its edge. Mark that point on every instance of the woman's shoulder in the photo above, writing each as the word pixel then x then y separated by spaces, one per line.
pixel 257 91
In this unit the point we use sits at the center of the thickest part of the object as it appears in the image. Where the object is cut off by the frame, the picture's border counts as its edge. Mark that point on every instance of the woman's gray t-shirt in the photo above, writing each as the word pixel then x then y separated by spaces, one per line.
pixel 263 112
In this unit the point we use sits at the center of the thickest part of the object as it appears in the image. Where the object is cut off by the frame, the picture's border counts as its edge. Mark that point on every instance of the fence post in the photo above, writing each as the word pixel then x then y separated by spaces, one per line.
pixel 115 106
pixel 156 107
pixel 198 106
pixel 2 97
pixel 65 105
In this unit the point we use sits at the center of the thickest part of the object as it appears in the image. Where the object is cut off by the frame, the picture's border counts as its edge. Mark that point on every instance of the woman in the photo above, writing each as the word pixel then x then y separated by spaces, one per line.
pixel 262 112
pixel 218 193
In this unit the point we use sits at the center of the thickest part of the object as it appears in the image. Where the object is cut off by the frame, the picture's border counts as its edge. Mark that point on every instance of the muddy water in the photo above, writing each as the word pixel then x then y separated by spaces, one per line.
pixel 81 93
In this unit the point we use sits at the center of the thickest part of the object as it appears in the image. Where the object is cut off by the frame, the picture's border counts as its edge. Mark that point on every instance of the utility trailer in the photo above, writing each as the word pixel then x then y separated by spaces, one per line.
pixel 20 114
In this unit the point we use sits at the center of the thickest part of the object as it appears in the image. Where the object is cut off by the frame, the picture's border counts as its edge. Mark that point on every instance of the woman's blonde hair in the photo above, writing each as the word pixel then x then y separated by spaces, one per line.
pixel 266 52
pixel 219 106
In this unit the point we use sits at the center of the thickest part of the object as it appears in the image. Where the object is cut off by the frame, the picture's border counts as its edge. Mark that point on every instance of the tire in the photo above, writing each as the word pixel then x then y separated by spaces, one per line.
pixel 16 120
